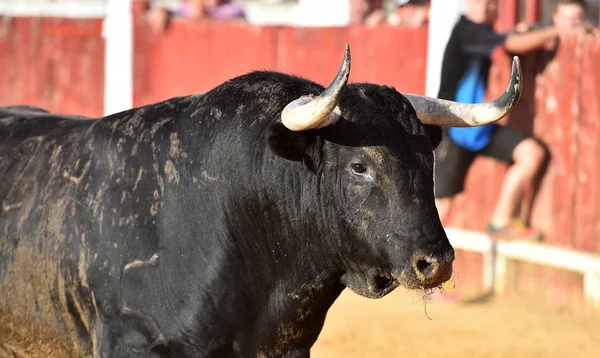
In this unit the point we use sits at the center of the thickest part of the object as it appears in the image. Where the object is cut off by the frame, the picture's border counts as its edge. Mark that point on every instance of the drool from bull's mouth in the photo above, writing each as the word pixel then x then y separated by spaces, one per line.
pixel 220 224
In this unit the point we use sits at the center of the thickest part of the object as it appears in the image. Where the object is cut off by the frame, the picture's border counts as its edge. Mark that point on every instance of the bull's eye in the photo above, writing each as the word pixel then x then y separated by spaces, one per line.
pixel 358 168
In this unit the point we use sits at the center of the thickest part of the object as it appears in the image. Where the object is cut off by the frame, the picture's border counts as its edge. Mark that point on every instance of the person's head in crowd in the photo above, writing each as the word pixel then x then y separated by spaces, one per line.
pixel 569 13
pixel 359 10
pixel 160 16
pixel 365 12
pixel 410 13
pixel 482 11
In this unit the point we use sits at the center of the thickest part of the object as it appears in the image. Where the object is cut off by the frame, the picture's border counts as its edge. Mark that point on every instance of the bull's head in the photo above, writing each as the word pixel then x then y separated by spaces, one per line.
pixel 375 146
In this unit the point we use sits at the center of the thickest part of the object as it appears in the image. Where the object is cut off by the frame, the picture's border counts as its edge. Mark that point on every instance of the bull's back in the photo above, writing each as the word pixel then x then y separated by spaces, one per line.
pixel 40 156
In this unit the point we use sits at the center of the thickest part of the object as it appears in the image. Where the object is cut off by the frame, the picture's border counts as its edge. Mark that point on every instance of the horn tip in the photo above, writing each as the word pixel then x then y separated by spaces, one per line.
pixel 516 68
pixel 346 62
pixel 347 54
pixel 516 75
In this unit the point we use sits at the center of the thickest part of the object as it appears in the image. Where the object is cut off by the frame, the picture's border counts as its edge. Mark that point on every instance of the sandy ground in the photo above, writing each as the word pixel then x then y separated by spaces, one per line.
pixel 397 326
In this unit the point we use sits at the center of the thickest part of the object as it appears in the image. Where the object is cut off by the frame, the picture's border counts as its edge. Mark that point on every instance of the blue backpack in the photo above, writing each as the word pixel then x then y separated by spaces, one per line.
pixel 471 89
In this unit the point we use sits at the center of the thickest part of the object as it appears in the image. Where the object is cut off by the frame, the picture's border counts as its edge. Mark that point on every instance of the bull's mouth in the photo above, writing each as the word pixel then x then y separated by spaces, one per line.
pixel 377 285
pixel 371 286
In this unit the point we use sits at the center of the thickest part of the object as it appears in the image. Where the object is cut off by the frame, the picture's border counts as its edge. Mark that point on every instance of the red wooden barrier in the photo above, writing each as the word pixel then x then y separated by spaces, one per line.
pixel 533 13
pixel 195 58
pixel 57 64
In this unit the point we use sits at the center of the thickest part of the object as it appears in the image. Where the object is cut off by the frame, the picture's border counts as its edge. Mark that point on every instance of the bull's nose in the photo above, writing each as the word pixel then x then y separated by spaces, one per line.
pixel 432 271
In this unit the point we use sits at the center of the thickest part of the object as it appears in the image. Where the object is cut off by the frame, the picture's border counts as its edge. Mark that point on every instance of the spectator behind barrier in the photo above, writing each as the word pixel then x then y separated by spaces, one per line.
pixel 365 12
pixel 565 14
pixel 465 70
pixel 195 10
pixel 410 13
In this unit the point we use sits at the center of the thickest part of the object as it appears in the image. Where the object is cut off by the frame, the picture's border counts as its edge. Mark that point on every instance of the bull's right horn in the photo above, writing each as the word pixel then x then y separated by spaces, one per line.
pixel 309 112
pixel 445 113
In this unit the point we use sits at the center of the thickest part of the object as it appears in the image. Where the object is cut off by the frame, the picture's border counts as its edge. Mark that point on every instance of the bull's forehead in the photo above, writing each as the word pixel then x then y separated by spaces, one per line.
pixel 379 109
pixel 379 141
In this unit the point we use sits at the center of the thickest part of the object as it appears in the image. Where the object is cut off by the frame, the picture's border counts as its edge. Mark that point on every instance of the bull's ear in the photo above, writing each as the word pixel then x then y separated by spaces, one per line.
pixel 305 146
pixel 434 133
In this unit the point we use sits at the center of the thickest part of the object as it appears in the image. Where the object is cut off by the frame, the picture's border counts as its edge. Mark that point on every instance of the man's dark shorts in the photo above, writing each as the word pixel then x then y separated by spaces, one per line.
pixel 453 162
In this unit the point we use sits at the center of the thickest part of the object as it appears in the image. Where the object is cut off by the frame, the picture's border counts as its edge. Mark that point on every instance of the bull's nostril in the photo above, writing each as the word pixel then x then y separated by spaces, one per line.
pixel 426 268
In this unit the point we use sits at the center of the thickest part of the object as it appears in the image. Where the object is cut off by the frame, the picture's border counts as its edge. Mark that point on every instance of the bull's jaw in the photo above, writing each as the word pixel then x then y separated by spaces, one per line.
pixel 370 283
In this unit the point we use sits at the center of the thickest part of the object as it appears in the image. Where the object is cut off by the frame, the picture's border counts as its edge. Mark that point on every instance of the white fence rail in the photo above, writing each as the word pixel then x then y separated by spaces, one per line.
pixel 497 255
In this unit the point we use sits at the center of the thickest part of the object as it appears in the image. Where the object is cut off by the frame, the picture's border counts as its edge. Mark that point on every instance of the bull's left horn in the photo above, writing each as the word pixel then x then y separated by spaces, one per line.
pixel 453 114
pixel 309 112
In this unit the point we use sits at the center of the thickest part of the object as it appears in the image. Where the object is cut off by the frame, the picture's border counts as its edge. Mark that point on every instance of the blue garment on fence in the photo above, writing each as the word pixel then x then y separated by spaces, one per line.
pixel 471 89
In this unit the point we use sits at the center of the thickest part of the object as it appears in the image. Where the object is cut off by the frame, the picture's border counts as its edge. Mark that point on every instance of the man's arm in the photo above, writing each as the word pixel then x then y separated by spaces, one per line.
pixel 519 43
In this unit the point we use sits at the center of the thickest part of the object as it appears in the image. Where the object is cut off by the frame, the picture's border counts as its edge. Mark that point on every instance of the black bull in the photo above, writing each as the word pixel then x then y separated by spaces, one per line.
pixel 222 224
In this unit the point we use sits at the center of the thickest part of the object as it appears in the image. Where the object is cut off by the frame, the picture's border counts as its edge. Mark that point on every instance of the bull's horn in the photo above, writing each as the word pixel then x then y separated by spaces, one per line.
pixel 453 114
pixel 309 112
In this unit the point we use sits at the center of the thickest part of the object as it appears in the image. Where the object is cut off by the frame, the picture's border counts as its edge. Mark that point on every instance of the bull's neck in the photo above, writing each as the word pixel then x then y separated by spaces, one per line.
pixel 281 245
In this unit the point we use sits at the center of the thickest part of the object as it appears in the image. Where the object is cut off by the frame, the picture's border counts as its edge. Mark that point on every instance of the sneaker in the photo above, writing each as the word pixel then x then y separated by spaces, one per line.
pixel 515 230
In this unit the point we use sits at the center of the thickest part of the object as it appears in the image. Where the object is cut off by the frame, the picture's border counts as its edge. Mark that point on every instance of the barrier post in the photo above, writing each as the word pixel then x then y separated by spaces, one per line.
pixel 591 286
pixel 118 59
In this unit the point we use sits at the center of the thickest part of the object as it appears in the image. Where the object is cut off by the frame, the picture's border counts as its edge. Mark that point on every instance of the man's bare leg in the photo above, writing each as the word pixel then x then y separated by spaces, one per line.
pixel 528 158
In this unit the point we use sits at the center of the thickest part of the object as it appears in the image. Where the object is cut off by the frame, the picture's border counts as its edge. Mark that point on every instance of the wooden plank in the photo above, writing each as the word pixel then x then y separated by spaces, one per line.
pixel 315 53
pixel 388 55
pixel 544 109
pixel 533 13
pixel 588 170
pixel 564 147
pixel 9 75
pixel 377 54
pixel 75 64
pixel 56 71
pixel 193 58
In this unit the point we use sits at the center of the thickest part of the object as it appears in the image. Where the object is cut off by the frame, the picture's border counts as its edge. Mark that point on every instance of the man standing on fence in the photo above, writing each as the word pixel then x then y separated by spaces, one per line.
pixel 465 69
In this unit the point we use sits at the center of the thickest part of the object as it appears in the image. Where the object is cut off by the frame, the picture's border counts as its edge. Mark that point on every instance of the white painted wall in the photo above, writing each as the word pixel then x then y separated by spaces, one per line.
pixel 323 13
pixel 307 13
pixel 118 59
pixel 442 17
pixel 56 8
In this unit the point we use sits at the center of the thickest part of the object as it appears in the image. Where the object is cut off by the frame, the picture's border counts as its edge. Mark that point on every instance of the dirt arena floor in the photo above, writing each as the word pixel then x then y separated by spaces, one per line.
pixel 397 326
